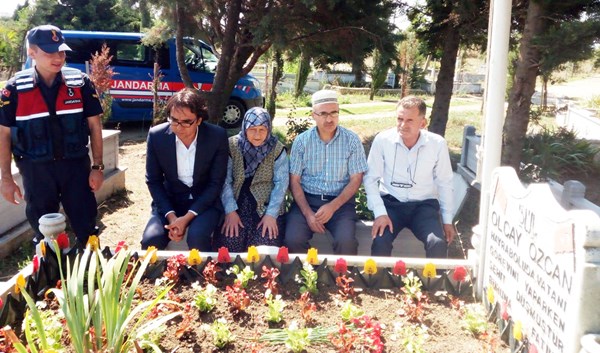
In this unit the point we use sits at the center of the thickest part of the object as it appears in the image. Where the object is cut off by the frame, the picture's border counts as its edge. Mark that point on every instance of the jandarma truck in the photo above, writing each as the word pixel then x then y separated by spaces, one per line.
pixel 133 63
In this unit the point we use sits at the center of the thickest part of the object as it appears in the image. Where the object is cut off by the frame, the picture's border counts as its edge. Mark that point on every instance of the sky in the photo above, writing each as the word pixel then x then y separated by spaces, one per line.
pixel 8 7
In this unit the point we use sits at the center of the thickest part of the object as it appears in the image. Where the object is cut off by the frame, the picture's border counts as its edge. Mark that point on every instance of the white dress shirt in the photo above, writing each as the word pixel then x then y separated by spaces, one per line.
pixel 420 173
pixel 186 157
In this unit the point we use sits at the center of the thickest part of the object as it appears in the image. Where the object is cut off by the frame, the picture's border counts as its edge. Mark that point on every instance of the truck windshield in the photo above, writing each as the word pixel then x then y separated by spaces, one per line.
pixel 198 58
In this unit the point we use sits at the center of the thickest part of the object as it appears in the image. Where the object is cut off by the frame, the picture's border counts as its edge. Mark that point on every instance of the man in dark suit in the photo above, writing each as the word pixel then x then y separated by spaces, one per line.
pixel 186 165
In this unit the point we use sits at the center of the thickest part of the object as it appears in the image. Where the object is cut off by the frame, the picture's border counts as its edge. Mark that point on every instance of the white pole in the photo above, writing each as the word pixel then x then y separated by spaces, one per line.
pixel 493 114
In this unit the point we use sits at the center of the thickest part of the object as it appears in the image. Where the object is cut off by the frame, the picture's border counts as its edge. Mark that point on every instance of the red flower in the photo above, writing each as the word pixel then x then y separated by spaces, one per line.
pixel 36 263
pixel 223 256
pixel 120 245
pixel 399 268
pixel 460 272
pixel 341 266
pixel 532 348
pixel 283 256
pixel 504 311
pixel 63 241
pixel 1 303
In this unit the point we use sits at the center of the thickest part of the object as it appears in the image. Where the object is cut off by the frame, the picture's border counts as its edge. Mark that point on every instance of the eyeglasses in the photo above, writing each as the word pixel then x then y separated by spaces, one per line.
pixel 333 114
pixel 411 173
pixel 184 123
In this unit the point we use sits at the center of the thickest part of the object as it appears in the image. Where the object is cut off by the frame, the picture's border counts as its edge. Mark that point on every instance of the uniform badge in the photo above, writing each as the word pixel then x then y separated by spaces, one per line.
pixel 54 36
pixel 3 103
pixel 70 92
pixel 5 93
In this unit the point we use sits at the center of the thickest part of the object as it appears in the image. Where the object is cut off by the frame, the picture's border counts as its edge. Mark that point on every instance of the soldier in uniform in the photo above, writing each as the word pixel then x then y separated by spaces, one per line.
pixel 47 114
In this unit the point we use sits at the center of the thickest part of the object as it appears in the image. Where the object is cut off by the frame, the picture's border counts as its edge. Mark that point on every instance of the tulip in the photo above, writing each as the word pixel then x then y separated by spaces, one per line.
pixel 518 331
pixel 62 240
pixel 490 295
pixel 93 243
pixel 1 303
pixel 312 256
pixel 120 245
pixel 399 268
pixel 341 266
pixel 504 311
pixel 532 348
pixel 252 254
pixel 20 283
pixel 460 273
pixel 429 270
pixel 194 257
pixel 153 253
pixel 370 267
pixel 283 255
pixel 223 255
pixel 36 263
pixel 43 248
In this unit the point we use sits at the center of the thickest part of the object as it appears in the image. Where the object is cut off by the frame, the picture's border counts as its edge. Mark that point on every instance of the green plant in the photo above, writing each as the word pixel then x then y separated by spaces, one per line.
pixel 552 153
pixel 412 286
pixel 475 319
pixel 276 305
pixel 297 339
pixel 413 337
pixel 52 326
pixel 221 334
pixel 308 278
pixel 362 210
pixel 242 276
pixel 101 75
pixel 350 311
pixel 96 300
pixel 204 299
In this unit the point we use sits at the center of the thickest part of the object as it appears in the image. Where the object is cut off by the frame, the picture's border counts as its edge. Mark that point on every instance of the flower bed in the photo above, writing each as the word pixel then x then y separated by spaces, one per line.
pixel 244 304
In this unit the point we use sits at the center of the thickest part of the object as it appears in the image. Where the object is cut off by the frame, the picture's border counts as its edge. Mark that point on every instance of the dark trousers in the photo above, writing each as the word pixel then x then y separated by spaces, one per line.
pixel 422 218
pixel 66 182
pixel 199 229
pixel 342 227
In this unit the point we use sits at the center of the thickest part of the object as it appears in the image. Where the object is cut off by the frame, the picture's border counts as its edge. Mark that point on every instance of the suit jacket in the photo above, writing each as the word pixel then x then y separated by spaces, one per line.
pixel 210 169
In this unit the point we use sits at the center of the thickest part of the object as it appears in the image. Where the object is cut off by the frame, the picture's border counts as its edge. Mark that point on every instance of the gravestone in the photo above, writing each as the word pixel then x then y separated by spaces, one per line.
pixel 543 263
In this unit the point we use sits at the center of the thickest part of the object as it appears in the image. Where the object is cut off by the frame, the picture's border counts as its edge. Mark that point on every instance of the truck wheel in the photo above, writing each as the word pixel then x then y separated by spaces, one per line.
pixel 233 114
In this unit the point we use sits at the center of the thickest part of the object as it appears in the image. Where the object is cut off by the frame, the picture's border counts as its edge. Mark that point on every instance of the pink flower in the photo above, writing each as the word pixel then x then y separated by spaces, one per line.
pixel 283 255
pixel 120 245
pixel 36 263
pixel 504 311
pixel 63 241
pixel 223 256
pixel 460 272
pixel 399 268
pixel 341 266
pixel 532 348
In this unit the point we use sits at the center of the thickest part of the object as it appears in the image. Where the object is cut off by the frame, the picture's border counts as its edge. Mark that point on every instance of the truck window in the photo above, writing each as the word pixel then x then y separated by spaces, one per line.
pixel 198 58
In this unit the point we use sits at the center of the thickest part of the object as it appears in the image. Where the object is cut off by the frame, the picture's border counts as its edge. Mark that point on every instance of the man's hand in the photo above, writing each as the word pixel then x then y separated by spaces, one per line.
pixel 314 225
pixel 9 188
pixel 96 179
pixel 231 227
pixel 380 224
pixel 177 226
pixel 450 232
pixel 325 212
pixel 269 227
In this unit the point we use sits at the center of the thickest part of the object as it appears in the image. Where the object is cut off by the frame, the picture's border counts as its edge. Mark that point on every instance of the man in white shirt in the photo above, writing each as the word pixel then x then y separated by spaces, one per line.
pixel 409 183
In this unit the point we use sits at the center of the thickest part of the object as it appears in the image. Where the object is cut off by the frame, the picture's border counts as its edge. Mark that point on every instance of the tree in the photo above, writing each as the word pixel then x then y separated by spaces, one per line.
pixel 381 66
pixel 554 32
pixel 443 26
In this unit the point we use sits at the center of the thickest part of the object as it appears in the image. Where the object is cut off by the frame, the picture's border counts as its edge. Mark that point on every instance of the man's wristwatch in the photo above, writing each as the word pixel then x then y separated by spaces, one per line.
pixel 98 167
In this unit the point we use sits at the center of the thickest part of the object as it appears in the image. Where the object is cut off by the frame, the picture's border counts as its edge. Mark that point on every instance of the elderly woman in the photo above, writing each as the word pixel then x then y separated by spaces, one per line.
pixel 255 187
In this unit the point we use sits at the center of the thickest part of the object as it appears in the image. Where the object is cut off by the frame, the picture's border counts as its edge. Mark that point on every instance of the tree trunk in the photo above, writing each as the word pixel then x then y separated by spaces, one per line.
pixel 519 102
pixel 217 98
pixel 544 102
pixel 445 82
pixel 357 70
pixel 179 49
pixel 277 75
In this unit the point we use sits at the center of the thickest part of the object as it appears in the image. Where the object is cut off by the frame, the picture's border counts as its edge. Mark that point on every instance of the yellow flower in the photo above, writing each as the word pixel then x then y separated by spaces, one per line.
pixel 370 267
pixel 429 270
pixel 490 295
pixel 252 254
pixel 518 331
pixel 194 257
pixel 311 256
pixel 43 248
pixel 20 283
pixel 93 243
pixel 153 254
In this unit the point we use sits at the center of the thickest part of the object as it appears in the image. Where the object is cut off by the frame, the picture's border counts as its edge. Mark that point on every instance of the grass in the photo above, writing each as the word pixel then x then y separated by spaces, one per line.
pixel 16 261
